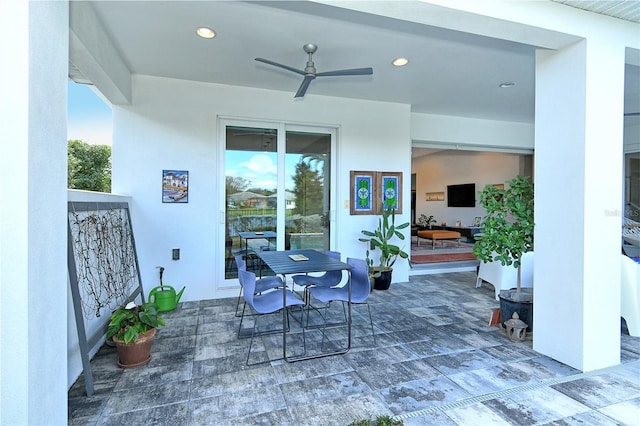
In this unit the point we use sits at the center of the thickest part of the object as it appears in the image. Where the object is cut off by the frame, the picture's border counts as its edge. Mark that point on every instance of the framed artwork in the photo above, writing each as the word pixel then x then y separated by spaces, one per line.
pixel 362 191
pixel 390 186
pixel 477 221
pixel 175 186
pixel 434 196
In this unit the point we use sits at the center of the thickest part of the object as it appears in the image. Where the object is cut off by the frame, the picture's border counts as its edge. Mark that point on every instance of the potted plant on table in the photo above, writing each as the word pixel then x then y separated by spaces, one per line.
pixel 133 328
pixel 425 221
pixel 382 237
pixel 506 235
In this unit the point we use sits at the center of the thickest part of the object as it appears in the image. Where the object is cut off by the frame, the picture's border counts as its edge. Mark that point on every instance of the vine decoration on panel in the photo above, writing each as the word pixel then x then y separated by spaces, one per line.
pixel 105 258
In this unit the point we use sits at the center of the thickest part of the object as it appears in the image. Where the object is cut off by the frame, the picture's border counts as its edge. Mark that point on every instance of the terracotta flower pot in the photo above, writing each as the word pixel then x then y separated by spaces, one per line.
pixel 136 353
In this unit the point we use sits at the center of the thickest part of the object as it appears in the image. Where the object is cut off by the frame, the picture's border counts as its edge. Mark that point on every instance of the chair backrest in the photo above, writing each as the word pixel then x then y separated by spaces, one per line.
pixel 360 284
pixel 333 254
pixel 332 278
pixel 242 265
pixel 248 283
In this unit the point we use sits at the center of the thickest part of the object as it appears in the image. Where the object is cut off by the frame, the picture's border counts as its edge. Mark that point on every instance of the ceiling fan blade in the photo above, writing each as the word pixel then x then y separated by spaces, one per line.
pixel 354 71
pixel 303 87
pixel 286 67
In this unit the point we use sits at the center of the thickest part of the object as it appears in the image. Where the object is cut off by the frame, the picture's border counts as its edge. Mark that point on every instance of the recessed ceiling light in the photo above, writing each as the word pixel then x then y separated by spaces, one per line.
pixel 400 62
pixel 507 84
pixel 205 32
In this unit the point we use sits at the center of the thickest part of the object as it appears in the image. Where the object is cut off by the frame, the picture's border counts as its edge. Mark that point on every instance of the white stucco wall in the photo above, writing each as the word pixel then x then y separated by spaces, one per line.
pixel 471 133
pixel 171 124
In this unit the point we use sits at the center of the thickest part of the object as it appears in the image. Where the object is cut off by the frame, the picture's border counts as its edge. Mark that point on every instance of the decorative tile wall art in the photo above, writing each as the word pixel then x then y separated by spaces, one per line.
pixel 363 188
pixel 371 190
pixel 175 186
pixel 390 185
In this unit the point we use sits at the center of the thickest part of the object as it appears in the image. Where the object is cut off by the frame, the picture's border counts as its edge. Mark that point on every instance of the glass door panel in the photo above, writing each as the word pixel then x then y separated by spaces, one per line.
pixel 307 196
pixel 251 175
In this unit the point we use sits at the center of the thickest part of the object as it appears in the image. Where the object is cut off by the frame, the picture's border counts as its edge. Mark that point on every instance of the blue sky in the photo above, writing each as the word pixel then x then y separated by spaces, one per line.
pixel 88 116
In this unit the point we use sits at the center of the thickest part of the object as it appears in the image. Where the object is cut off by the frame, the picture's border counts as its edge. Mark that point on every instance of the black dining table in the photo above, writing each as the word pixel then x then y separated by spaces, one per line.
pixel 289 262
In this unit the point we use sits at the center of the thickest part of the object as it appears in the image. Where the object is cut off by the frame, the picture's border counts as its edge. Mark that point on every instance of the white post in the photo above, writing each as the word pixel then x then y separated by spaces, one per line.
pixel 578 194
pixel 33 278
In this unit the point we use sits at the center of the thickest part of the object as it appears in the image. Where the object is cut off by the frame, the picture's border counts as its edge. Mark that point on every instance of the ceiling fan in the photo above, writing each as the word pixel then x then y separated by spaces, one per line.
pixel 310 73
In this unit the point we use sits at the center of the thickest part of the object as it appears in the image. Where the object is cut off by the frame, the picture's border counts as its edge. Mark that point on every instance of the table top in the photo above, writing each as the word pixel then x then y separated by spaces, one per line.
pixel 280 262
pixel 251 235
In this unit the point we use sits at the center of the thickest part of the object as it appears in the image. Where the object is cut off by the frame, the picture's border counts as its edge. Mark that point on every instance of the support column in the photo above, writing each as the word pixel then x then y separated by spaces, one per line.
pixel 578 194
pixel 33 152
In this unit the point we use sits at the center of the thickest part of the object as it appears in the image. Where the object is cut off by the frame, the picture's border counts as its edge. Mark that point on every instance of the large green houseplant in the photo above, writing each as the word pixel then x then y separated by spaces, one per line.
pixel 132 328
pixel 382 238
pixel 507 231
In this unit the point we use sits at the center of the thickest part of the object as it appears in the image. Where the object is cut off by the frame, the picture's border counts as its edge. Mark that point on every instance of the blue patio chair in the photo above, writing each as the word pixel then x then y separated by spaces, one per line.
pixel 328 279
pixel 265 304
pixel 262 285
pixel 360 291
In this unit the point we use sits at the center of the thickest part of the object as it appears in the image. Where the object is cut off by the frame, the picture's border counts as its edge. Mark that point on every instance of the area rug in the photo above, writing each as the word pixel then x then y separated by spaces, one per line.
pixel 441 257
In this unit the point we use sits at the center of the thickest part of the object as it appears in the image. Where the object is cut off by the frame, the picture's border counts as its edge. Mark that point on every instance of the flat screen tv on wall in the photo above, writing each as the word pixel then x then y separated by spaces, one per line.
pixel 463 195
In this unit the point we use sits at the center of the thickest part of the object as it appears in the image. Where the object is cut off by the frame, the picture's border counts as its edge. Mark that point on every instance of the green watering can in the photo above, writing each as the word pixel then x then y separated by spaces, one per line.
pixel 164 296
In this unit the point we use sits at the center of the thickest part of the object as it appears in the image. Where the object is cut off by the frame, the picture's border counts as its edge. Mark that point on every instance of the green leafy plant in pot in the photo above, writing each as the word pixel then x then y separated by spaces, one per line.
pixel 425 221
pixel 132 328
pixel 382 238
pixel 507 234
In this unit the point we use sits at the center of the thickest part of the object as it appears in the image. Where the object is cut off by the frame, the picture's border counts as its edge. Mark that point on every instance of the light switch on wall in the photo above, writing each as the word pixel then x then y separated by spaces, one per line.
pixel 346 204
pixel 175 254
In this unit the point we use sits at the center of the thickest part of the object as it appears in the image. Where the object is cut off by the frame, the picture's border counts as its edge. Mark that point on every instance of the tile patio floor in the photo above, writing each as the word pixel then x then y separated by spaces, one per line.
pixel 436 362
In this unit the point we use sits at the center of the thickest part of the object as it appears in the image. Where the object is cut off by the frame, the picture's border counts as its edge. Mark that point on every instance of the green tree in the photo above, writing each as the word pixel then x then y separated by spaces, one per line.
pixel 307 190
pixel 236 184
pixel 88 166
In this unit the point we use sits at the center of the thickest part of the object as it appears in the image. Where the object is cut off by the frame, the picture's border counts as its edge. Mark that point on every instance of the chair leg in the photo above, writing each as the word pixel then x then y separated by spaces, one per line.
pixel 264 333
pixel 304 338
pixel 254 334
pixel 242 318
pixel 373 333
pixel 238 301
pixel 324 326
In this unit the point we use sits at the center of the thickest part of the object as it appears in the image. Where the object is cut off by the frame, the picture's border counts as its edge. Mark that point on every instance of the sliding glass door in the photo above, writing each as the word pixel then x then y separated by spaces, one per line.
pixel 277 190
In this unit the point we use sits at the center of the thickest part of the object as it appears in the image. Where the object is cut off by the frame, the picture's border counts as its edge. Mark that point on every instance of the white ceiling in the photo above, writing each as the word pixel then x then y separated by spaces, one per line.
pixel 628 10
pixel 450 73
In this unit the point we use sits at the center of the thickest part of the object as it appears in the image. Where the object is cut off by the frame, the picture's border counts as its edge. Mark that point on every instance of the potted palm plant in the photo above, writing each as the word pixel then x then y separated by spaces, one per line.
pixel 507 234
pixel 382 238
pixel 133 328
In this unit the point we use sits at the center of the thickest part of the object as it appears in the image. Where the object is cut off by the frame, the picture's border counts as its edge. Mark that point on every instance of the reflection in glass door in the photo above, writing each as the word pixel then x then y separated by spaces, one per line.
pixel 308 180
pixel 277 191
pixel 251 176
